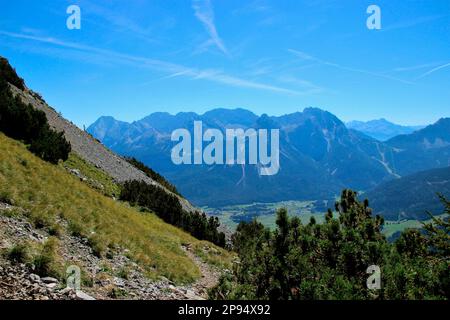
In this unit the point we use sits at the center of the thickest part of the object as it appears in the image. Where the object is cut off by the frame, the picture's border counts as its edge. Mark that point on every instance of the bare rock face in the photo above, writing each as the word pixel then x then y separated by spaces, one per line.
pixel 88 148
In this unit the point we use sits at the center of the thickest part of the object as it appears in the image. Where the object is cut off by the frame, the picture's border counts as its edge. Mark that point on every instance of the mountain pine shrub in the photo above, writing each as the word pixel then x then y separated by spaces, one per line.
pixel 330 260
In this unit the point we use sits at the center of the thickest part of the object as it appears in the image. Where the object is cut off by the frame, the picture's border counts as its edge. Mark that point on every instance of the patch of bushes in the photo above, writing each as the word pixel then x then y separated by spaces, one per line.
pixel 19 253
pixel 41 220
pixel 42 258
pixel 50 145
pixel 23 122
pixel 12 212
pixel 97 245
pixel 123 273
pixel 5 197
pixel 37 95
pixel 117 293
pixel 9 74
pixel 86 279
pixel 75 229
pixel 55 230
pixel 168 207
pixel 46 261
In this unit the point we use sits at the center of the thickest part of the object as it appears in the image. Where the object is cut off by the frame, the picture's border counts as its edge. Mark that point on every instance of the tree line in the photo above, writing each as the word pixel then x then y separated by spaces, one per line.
pixel 168 207
pixel 152 174
pixel 330 260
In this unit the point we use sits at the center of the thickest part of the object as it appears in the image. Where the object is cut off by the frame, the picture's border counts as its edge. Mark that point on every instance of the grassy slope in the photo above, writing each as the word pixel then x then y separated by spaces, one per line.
pixel 49 192
pixel 96 178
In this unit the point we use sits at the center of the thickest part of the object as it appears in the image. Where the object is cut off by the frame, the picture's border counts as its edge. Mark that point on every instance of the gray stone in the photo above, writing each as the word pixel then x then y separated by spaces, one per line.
pixel 51 285
pixel 67 290
pixel 83 296
pixel 49 280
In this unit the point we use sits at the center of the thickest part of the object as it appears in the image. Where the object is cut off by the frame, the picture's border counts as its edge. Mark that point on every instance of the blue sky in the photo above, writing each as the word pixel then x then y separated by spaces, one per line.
pixel 132 58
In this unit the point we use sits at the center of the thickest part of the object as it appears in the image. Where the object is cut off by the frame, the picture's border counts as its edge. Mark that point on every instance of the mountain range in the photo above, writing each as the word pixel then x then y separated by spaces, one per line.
pixel 381 129
pixel 319 155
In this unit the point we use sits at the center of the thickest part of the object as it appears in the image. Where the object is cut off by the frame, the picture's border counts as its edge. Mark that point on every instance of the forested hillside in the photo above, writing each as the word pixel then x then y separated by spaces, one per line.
pixel 412 196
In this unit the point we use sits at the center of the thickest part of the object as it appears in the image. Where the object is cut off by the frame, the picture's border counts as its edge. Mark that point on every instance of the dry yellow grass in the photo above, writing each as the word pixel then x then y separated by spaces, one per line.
pixel 49 192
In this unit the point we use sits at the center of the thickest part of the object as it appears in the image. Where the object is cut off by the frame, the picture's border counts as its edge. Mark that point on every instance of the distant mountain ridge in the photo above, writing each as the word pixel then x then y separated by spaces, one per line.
pixel 319 155
pixel 381 129
pixel 422 150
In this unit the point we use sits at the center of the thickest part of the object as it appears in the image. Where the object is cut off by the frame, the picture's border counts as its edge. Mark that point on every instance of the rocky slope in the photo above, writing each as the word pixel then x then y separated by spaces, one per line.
pixel 116 277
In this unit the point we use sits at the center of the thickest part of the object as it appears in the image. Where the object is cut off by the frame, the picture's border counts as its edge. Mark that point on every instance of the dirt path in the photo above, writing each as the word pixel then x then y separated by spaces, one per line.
pixel 210 275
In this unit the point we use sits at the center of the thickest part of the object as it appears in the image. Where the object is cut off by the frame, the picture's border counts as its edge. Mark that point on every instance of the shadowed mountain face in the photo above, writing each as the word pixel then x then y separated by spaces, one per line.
pixel 319 156
pixel 381 129
pixel 410 197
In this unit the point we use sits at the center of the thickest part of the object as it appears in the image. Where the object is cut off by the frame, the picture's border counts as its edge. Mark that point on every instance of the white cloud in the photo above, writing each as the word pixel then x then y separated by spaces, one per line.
pixel 121 22
pixel 174 70
pixel 205 14
pixel 433 70
pixel 304 56
pixel 307 86
pixel 414 67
